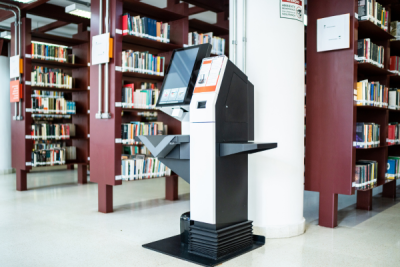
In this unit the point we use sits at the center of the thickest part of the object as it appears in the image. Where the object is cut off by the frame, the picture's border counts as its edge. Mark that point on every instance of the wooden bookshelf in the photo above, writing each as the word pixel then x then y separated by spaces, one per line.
pixel 148 43
pixel 142 76
pixel 332 113
pixel 106 155
pixel 57 89
pixel 58 40
pixel 220 29
pixel 201 26
pixel 58 64
pixel 21 146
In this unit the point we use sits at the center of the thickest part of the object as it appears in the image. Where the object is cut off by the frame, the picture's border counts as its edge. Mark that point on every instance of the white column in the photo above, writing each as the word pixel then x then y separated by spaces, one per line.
pixel 275 65
pixel 5 116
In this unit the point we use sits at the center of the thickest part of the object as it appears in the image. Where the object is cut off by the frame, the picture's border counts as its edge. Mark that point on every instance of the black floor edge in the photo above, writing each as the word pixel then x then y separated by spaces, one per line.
pixel 172 246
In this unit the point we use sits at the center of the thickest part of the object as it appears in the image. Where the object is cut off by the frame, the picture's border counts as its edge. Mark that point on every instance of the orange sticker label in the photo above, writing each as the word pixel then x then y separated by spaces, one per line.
pixel 15 91
pixel 208 77
pixel 205 89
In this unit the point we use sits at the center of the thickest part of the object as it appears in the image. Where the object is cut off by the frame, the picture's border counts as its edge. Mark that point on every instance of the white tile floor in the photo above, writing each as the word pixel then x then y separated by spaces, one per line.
pixel 56 223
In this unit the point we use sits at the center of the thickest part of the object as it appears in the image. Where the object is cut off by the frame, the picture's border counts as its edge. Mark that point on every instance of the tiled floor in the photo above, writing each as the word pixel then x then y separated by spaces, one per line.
pixel 56 223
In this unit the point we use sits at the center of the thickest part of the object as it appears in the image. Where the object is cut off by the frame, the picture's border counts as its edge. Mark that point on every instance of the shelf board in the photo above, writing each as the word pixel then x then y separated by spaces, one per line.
pixel 71 138
pixel 384 181
pixel 392 145
pixel 131 39
pixel 367 29
pixel 139 109
pixel 394 79
pixel 142 76
pixel 132 144
pixel 72 162
pixel 395 48
pixel 143 179
pixel 57 63
pixel 361 148
pixel 371 69
pixel 54 39
pixel 380 182
pixel 135 7
pixel 203 27
pixel 371 107
pixel 57 89
pixel 68 162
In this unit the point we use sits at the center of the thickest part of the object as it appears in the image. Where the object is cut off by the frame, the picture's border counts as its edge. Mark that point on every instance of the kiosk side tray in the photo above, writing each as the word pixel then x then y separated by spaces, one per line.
pixel 226 149
pixel 161 145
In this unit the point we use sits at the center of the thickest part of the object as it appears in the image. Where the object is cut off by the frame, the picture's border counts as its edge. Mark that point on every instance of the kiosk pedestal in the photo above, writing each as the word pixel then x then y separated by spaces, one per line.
pixel 209 245
pixel 213 158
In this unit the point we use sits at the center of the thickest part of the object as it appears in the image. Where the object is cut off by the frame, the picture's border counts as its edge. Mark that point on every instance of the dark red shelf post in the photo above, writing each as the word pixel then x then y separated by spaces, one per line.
pixel 21 180
pixel 328 206
pixel 171 187
pixel 21 147
pixel 389 190
pixel 82 173
pixel 364 200
pixel 105 198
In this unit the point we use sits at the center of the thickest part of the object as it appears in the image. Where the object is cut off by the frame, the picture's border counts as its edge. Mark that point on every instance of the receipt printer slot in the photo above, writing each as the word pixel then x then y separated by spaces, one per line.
pixel 201 104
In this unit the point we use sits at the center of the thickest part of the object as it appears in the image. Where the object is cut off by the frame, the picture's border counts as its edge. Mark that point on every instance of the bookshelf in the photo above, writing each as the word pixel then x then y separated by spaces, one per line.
pixel 22 145
pixel 332 113
pixel 106 151
pixel 220 29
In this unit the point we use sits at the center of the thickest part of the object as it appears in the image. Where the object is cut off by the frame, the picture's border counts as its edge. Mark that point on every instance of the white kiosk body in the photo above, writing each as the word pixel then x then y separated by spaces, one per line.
pixel 213 158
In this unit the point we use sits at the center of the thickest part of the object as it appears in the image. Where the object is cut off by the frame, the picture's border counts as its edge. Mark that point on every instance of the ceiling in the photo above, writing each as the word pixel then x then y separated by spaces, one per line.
pixel 71 29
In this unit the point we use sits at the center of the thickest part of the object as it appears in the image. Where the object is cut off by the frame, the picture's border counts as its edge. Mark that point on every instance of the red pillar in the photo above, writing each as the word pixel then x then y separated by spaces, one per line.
pixel 364 200
pixel 82 174
pixel 328 207
pixel 21 180
pixel 389 190
pixel 105 198
pixel 171 187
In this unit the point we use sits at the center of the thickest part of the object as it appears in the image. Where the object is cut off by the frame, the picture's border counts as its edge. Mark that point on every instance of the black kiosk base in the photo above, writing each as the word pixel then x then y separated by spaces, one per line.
pixel 172 246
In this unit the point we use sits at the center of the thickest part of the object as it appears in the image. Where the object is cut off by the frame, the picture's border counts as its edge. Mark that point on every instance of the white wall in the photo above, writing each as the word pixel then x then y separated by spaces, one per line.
pixel 5 116
pixel 275 65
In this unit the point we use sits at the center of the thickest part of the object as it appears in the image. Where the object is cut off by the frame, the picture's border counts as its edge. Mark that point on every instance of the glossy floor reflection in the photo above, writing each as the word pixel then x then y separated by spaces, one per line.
pixel 56 223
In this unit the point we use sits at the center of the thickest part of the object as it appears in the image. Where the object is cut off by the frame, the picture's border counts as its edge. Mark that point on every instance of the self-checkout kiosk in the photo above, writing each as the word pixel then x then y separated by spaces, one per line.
pixel 215 102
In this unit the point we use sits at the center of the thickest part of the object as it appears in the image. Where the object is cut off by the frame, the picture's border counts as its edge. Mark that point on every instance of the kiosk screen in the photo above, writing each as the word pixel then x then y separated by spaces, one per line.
pixel 177 80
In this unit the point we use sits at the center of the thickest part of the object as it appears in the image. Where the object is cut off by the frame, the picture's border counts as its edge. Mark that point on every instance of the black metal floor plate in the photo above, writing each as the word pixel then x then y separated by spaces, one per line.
pixel 172 246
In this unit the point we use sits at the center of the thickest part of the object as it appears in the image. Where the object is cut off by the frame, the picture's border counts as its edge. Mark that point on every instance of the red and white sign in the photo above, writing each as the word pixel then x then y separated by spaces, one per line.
pixel 15 91
pixel 209 74
pixel 292 9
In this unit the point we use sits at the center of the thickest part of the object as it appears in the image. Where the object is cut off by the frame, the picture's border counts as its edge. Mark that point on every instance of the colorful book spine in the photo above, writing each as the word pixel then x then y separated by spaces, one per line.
pixel 51 105
pixel 393 168
pixel 48 77
pixel 47 131
pixel 142 62
pixel 367 135
pixel 145 28
pixel 218 43
pixel 366 174
pixel 372 94
pixel 142 168
pixel 49 52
